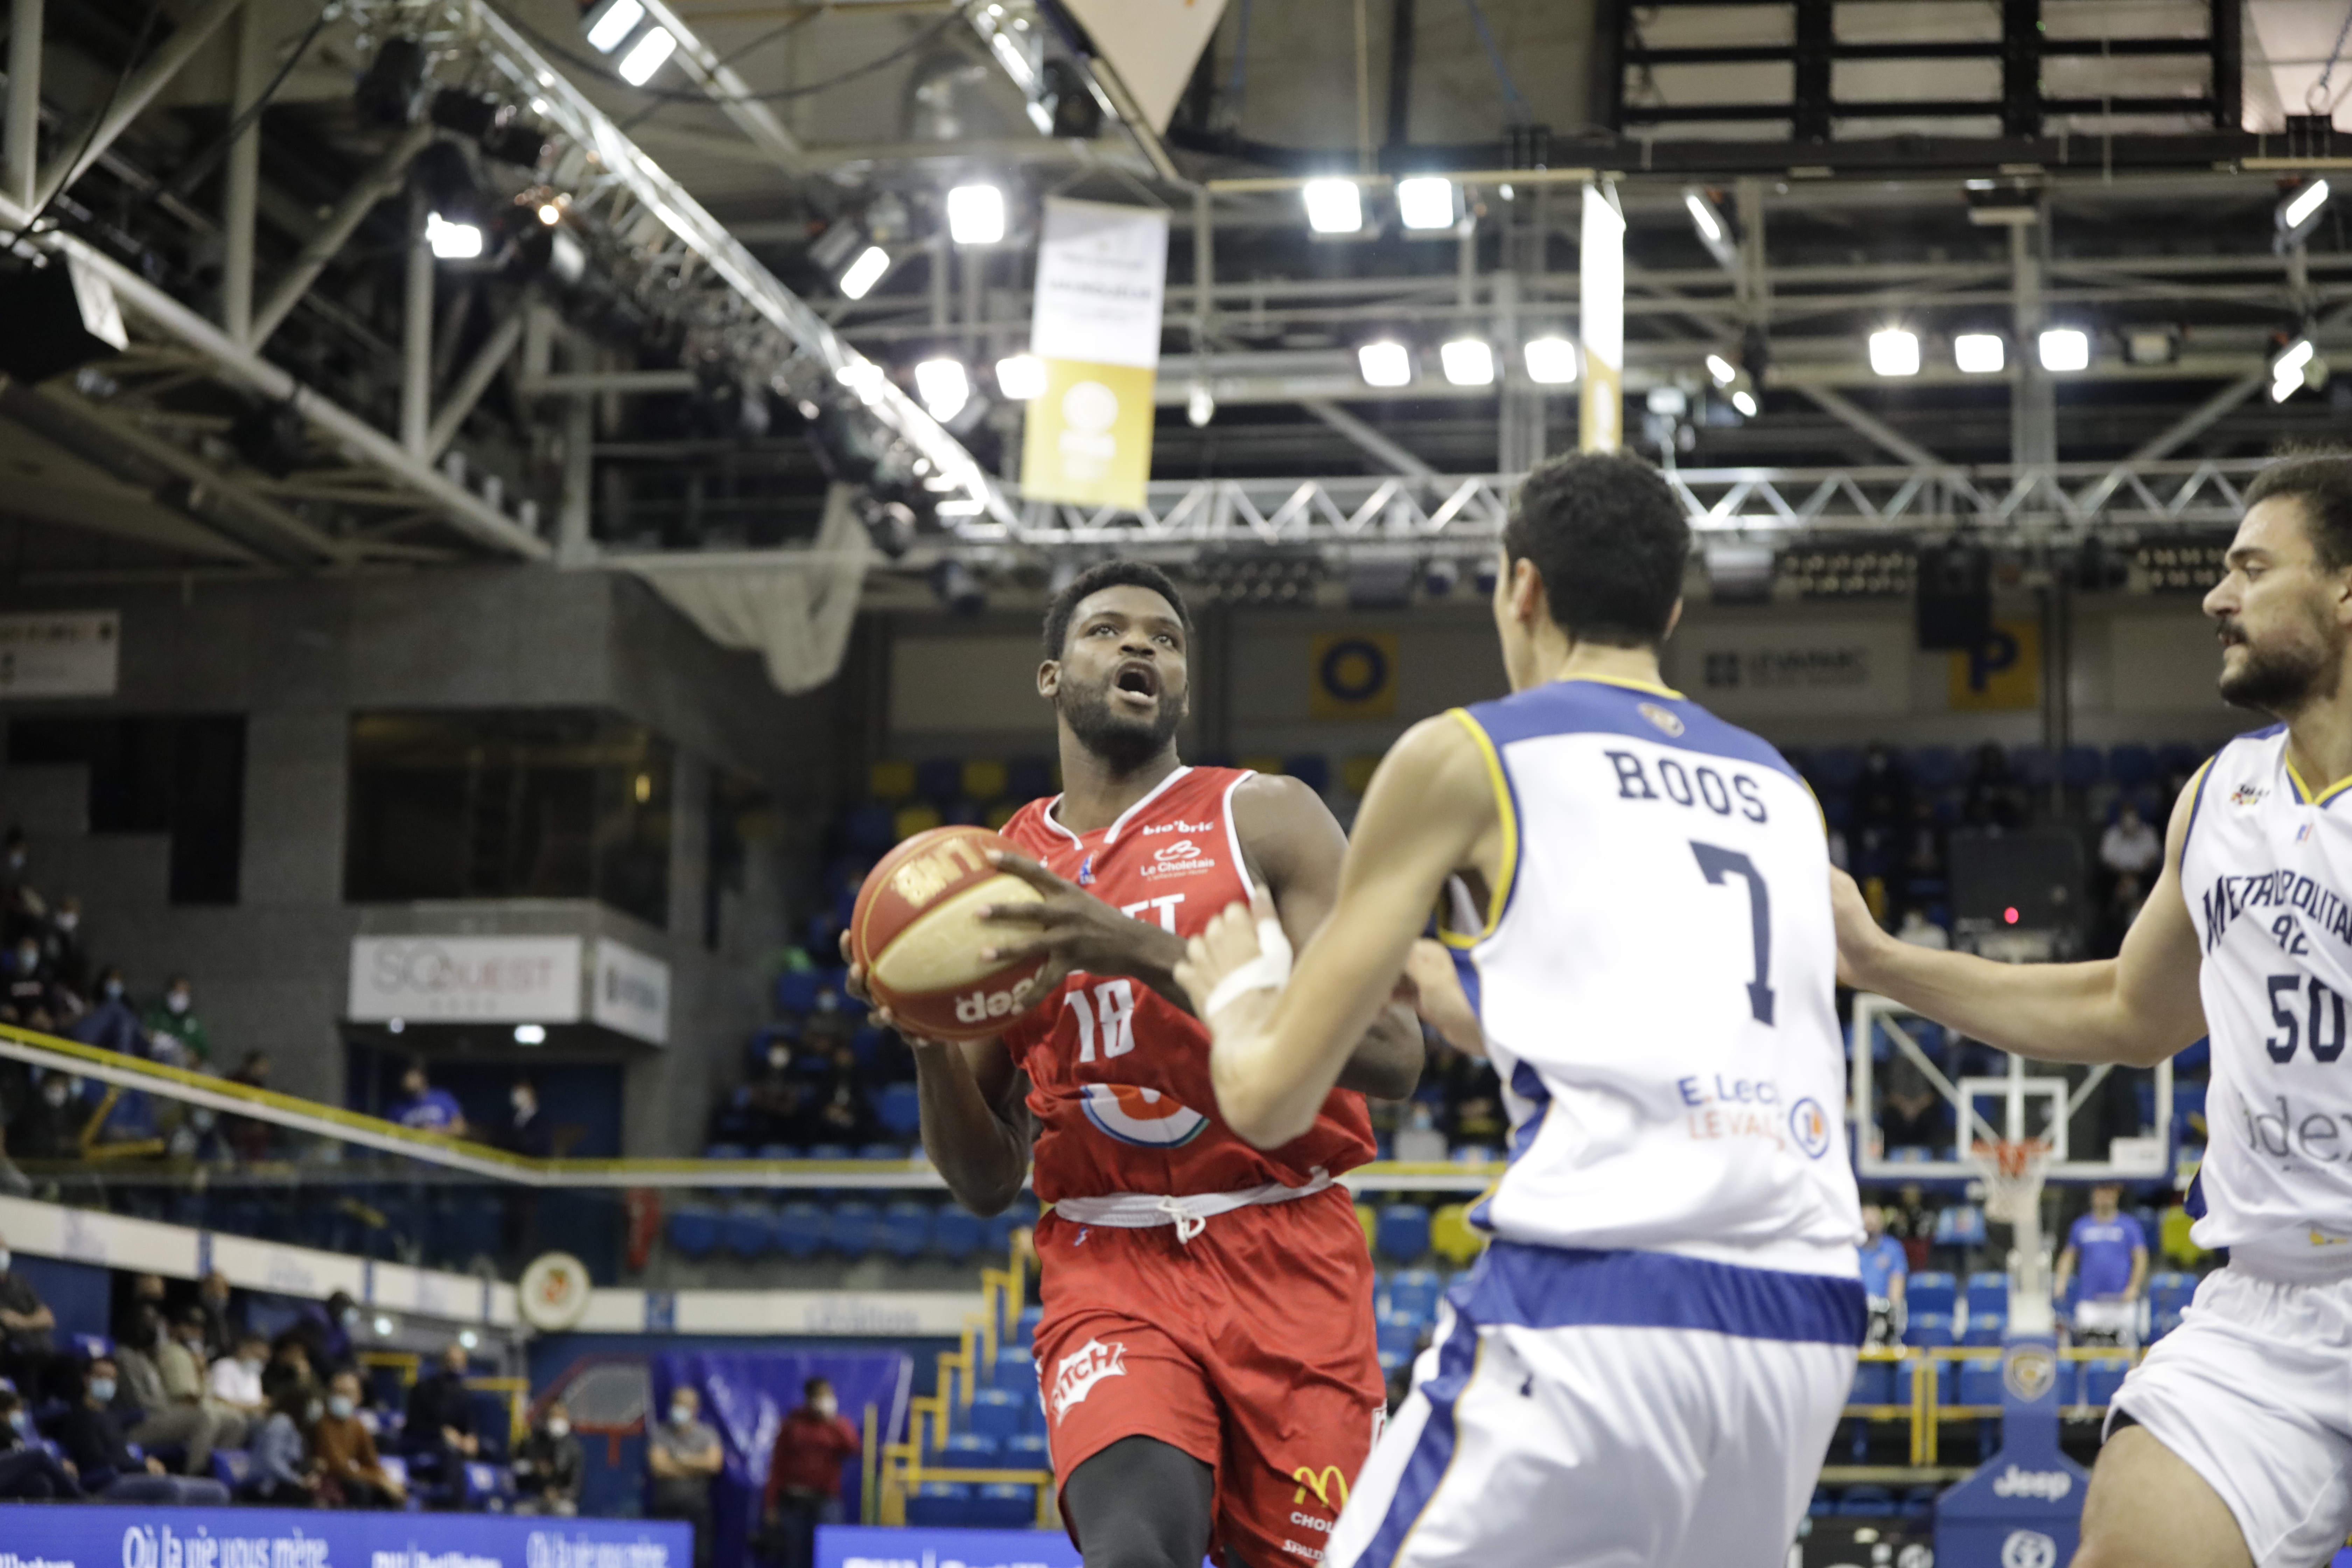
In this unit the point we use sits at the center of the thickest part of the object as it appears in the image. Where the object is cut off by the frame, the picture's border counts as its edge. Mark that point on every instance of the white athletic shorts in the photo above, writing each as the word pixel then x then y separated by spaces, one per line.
pixel 1614 1408
pixel 2253 1391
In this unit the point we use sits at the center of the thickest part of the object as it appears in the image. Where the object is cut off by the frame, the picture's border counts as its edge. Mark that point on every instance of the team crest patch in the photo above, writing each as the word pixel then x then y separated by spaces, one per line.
pixel 1144 1117
pixel 2247 795
pixel 1075 1376
pixel 1669 722
pixel 2028 1372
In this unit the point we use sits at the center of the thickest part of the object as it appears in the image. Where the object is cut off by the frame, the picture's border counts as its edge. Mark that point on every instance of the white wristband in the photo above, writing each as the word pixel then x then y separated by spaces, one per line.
pixel 1267 972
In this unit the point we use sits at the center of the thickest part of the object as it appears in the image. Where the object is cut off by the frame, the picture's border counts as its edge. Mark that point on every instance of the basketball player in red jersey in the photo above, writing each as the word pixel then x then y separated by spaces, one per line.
pixel 1206 1356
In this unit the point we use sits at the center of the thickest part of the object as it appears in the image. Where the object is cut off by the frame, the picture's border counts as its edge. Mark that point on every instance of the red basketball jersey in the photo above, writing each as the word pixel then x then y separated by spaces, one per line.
pixel 1119 1075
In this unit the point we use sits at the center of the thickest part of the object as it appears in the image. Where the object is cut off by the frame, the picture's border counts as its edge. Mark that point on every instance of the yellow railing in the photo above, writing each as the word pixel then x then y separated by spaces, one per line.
pixel 1925 1413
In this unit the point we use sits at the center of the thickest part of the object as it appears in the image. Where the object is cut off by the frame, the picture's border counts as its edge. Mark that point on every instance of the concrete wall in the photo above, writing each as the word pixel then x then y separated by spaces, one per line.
pixel 298 658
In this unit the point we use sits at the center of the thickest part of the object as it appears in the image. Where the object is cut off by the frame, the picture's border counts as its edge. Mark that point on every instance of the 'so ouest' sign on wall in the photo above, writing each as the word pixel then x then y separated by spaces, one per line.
pixel 1101 271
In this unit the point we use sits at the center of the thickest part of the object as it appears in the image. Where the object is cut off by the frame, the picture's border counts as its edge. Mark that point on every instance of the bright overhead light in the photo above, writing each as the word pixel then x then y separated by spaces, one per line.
pixel 943 386
pixel 1721 369
pixel 1711 227
pixel 1979 353
pixel 530 1034
pixel 1550 361
pixel 1334 206
pixel 452 241
pixel 1468 361
pixel 611 22
pixel 961 506
pixel 1021 377
pixel 2065 348
pixel 1385 363
pixel 1425 201
pixel 2287 371
pixel 1745 400
pixel 857 279
pixel 1894 352
pixel 1200 406
pixel 975 215
pixel 645 57
pixel 549 214
pixel 2303 205
pixel 859 375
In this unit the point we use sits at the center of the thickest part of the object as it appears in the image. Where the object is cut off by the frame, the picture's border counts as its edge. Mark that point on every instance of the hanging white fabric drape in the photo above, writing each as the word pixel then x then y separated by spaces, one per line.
pixel 796 612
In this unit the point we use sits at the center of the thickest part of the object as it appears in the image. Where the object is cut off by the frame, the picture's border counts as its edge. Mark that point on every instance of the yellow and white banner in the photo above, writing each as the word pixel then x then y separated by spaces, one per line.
pixel 1101 272
pixel 1601 310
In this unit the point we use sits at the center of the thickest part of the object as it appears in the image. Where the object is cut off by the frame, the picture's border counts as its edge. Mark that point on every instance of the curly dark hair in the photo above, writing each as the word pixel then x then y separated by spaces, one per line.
pixel 1093 580
pixel 1610 541
pixel 2322 481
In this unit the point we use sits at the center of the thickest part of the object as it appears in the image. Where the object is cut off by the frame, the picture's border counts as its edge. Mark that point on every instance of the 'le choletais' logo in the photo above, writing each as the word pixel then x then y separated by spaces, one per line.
pixel 1075 1375
pixel 1182 858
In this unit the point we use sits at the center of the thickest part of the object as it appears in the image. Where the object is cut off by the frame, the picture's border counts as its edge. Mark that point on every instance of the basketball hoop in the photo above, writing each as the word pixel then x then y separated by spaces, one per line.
pixel 2012 1171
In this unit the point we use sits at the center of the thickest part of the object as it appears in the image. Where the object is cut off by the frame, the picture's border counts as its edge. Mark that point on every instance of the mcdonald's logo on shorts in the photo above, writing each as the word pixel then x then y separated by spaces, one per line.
pixel 1328 1483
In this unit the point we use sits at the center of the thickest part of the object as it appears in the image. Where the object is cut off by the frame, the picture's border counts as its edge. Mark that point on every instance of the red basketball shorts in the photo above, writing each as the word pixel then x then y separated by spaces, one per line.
pixel 1249 1347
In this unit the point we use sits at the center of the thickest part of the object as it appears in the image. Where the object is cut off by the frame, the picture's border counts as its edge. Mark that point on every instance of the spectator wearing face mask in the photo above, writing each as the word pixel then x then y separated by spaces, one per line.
pixel 150 1411
pixel 325 1330
pixel 50 1128
pixel 28 1472
pixel 278 1470
pixel 27 1326
pixel 289 1367
pixel 31 985
pixel 20 906
pixel 441 1416
pixel 180 1358
pixel 424 1107
pixel 233 1387
pixel 351 1475
pixel 684 1454
pixel 549 1464
pixel 223 1323
pixel 1420 1140
pixel 804 1471
pixel 176 1019
pixel 69 960
pixel 110 1025
pixel 525 1131
pixel 90 1433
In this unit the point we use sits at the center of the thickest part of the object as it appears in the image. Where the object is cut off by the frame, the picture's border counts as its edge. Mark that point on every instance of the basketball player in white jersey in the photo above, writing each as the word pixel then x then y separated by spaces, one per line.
pixel 1647 1364
pixel 2231 1443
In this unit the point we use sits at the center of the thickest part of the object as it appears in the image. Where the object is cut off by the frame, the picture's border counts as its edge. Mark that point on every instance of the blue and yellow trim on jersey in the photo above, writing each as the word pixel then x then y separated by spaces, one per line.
pixel 1506 808
pixel 2304 793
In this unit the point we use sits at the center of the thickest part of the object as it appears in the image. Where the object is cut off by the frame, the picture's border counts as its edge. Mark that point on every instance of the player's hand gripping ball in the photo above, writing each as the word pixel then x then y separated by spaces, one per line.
pixel 917 933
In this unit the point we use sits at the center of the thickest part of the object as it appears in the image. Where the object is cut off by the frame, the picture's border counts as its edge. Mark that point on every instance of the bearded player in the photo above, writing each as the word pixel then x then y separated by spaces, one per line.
pixel 1206 1356
pixel 2231 1443
pixel 1643 1369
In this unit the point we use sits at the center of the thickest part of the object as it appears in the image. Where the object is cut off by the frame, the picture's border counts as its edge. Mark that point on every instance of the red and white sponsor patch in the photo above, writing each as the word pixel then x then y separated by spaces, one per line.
pixel 1077 1373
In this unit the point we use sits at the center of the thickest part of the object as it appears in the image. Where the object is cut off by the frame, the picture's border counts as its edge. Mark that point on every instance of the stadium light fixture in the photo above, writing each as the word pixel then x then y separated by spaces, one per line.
pixel 610 22
pixel 1895 350
pixel 2064 349
pixel 549 214
pixel 530 1034
pixel 976 214
pixel 2287 371
pixel 1425 202
pixel 1021 377
pixel 1745 400
pixel 943 386
pixel 1468 361
pixel 1701 211
pixel 1979 353
pixel 1334 206
pixel 452 241
pixel 857 279
pixel 1722 369
pixel 1550 361
pixel 1385 362
pixel 645 56
pixel 2299 210
pixel 1200 406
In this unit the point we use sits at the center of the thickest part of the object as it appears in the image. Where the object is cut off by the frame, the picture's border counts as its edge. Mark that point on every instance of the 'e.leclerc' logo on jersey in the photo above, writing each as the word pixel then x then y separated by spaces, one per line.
pixel 1809 1126
pixel 1076 1375
pixel 1671 723
pixel 1143 1116
pixel 2247 795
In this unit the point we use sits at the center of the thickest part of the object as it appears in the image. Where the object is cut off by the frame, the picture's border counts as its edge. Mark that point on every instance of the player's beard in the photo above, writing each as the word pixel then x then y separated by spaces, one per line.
pixel 1123 743
pixel 2287 677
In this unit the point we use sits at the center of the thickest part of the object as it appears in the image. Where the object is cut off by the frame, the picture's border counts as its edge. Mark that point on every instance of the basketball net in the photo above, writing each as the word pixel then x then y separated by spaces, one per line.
pixel 2013 1171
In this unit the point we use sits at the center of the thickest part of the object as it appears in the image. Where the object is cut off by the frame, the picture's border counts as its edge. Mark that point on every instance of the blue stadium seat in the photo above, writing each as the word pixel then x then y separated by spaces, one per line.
pixel 2169 1291
pixel 888 1152
pixel 1403 1232
pixel 1311 769
pixel 694 1229
pixel 1837 768
pixel 1906 1373
pixel 956 1232
pixel 905 1231
pixel 997 1233
pixel 940 1505
pixel 1027 1450
pixel 1004 1505
pixel 849 1229
pixel 1931 1292
pixel 796 990
pixel 487 1489
pixel 1825 1504
pixel 1413 1294
pixel 2101 1379
pixel 1935 768
pixel 1985 1328
pixel 996 1415
pixel 90 1347
pixel 777 1152
pixel 1927 1330
pixel 2131 766
pixel 940 780
pixel 1918 1502
pixel 749 1229
pixel 231 1467
pixel 1026 778
pixel 968 1450
pixel 1025 1328
pixel 2178 758
pixel 1962 1225
pixel 724 1151
pixel 2030 765
pixel 800 1229
pixel 2078 767
pixel 899 1109
pixel 871 828
pixel 1016 1373
pixel 1867 1502
pixel 1873 1384
pixel 828 1151
pixel 1398 1338
pixel 1980 1381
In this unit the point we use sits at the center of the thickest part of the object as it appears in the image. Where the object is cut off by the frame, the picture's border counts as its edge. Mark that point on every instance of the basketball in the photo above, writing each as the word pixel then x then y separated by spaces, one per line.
pixel 917 930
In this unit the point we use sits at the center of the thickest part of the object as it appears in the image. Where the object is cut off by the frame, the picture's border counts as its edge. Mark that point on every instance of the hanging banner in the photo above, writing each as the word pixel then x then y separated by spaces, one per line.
pixel 1152 44
pixel 1352 675
pixel 69 653
pixel 2003 671
pixel 1101 271
pixel 1600 265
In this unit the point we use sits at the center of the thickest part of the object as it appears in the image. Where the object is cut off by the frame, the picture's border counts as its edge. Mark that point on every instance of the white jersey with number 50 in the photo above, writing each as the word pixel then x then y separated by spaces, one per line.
pixel 2267 870
pixel 1656 980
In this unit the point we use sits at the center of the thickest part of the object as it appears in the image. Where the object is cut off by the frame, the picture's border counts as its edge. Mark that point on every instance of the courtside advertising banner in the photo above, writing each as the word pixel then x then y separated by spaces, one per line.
pixel 1101 271
pixel 37 1535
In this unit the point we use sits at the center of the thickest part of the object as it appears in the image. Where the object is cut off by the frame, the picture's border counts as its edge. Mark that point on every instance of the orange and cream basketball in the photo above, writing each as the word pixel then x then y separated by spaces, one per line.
pixel 917 930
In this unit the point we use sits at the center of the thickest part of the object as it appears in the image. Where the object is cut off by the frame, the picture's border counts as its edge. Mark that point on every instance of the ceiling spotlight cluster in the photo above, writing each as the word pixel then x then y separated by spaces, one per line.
pixel 611 24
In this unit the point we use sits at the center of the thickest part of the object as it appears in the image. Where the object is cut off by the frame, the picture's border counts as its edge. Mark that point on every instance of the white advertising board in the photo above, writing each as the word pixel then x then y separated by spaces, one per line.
pixel 492 979
pixel 631 993
pixel 68 654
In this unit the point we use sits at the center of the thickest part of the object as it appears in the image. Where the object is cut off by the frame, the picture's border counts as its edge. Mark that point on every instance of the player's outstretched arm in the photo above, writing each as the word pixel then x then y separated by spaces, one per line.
pixel 1275 1055
pixel 2136 1008
pixel 1297 848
